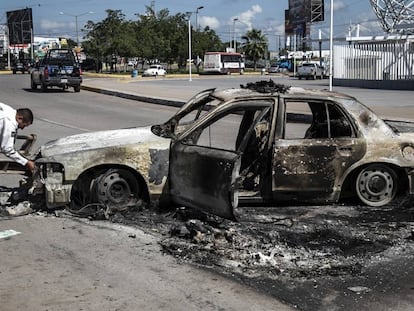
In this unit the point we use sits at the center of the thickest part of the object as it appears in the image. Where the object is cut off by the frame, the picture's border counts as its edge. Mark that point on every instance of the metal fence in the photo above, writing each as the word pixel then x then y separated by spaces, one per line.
pixel 375 60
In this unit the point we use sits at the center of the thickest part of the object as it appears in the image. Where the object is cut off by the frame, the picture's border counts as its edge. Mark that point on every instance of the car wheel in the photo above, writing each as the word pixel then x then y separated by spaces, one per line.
pixel 113 189
pixel 376 185
pixel 117 189
pixel 44 87
pixel 33 85
pixel 77 88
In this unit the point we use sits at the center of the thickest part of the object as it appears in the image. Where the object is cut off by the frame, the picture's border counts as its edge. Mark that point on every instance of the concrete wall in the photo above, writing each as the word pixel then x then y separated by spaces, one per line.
pixel 376 84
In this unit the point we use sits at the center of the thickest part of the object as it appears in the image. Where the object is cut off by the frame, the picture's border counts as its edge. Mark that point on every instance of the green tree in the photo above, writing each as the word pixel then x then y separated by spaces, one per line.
pixel 153 37
pixel 110 37
pixel 206 41
pixel 254 45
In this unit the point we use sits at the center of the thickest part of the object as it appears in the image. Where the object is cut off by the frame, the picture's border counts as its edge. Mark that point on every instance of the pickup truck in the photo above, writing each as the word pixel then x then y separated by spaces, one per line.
pixel 59 67
pixel 310 70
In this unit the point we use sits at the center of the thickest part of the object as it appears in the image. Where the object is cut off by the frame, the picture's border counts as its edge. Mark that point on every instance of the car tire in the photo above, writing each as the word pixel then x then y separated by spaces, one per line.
pixel 77 88
pixel 44 87
pixel 377 185
pixel 33 85
pixel 109 190
pixel 116 189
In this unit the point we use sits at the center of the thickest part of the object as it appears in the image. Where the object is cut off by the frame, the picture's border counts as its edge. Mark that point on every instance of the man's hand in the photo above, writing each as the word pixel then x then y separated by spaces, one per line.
pixel 30 165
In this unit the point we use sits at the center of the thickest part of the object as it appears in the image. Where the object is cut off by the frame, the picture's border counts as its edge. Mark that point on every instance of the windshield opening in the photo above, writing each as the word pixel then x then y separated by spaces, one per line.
pixel 189 113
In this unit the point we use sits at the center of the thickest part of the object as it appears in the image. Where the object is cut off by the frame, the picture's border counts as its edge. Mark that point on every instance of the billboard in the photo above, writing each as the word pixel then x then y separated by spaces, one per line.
pixel 301 13
pixel 317 10
pixel 20 23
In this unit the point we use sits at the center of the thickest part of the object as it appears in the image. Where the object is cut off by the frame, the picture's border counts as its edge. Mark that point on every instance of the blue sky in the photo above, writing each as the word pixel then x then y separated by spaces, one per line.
pixel 267 15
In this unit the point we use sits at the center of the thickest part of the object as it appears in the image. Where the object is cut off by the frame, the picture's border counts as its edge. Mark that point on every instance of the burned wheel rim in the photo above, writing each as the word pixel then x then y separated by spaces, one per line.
pixel 117 189
pixel 376 185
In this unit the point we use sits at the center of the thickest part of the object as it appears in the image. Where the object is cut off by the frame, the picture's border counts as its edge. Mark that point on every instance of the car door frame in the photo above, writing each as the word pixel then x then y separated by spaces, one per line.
pixel 207 178
pixel 312 169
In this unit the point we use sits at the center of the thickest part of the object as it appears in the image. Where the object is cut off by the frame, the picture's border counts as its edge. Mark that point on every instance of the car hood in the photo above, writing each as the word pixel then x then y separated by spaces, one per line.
pixel 100 140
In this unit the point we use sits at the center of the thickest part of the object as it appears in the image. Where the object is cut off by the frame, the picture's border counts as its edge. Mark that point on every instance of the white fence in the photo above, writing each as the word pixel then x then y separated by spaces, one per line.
pixel 375 60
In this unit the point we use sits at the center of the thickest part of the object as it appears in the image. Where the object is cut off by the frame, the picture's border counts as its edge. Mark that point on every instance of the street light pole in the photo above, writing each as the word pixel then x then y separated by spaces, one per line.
pixel 331 50
pixel 189 47
pixel 234 33
pixel 196 23
pixel 77 31
pixel 189 38
pixel 76 22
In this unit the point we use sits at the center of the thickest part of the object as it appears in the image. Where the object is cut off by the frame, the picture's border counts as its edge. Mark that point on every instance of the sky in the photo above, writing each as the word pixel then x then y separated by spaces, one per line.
pixel 266 15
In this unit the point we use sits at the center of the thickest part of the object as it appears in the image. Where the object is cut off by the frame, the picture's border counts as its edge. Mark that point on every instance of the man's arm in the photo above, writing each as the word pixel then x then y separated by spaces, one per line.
pixel 7 142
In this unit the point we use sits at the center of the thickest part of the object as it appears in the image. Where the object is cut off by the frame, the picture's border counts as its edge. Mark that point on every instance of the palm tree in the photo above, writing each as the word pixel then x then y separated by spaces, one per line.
pixel 254 45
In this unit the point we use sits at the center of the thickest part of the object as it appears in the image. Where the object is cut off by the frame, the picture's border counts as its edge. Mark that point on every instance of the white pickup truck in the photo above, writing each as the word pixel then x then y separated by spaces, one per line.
pixel 310 70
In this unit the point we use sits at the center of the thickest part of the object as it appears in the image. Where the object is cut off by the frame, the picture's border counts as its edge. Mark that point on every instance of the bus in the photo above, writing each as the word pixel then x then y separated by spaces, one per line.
pixel 223 62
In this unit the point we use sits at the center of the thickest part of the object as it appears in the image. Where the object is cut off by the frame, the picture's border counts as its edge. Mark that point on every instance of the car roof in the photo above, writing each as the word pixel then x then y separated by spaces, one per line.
pixel 232 93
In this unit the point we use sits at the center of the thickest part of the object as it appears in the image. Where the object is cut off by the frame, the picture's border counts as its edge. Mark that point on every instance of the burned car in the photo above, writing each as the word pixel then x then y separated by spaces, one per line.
pixel 260 143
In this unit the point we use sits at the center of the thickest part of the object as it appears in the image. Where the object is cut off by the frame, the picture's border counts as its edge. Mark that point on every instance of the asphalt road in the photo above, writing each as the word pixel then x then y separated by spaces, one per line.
pixel 59 264
pixel 386 103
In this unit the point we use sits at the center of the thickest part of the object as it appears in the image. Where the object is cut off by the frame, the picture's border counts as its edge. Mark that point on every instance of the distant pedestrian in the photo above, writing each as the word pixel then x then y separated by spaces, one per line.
pixel 10 121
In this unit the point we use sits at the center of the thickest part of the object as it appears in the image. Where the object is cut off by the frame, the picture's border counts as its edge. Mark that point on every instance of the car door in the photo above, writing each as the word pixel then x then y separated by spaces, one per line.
pixel 205 160
pixel 203 179
pixel 317 145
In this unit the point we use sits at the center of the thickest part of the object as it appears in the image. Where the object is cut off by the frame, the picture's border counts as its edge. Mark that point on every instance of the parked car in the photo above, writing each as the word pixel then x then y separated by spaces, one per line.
pixel 260 143
pixel 286 65
pixel 274 68
pixel 154 70
pixel 22 66
pixel 89 64
pixel 310 70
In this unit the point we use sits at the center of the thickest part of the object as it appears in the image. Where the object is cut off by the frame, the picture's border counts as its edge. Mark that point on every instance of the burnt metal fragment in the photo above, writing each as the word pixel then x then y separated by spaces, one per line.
pixel 266 87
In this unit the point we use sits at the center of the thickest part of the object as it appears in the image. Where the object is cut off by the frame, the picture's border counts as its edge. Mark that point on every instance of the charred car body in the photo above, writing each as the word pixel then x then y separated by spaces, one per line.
pixel 279 144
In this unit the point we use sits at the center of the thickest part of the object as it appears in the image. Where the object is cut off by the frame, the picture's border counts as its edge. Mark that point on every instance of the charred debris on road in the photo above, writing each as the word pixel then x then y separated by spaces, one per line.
pixel 279 250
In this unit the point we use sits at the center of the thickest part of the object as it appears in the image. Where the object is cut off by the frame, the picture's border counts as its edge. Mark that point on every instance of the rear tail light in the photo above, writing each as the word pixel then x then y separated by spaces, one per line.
pixel 76 72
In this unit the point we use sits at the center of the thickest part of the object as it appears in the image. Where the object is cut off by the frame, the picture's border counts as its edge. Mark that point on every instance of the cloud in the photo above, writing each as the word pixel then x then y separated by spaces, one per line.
pixel 247 16
pixel 209 21
pixel 245 20
pixel 48 26
pixel 339 5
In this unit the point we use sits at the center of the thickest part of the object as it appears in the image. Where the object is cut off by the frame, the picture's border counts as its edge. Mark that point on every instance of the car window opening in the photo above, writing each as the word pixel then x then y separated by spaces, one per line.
pixel 247 134
pixel 315 120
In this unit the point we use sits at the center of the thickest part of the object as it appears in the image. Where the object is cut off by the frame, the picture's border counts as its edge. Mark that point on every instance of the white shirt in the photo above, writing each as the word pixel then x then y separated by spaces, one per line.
pixel 8 134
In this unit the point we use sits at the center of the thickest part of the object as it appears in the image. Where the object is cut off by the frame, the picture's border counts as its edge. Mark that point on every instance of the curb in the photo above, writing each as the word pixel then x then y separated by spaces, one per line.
pixel 147 99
